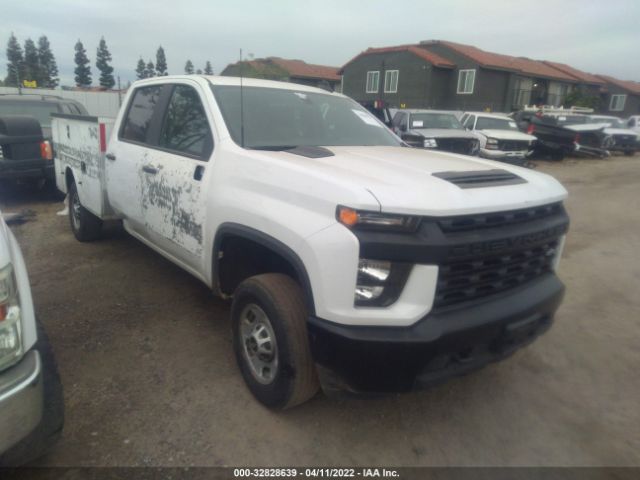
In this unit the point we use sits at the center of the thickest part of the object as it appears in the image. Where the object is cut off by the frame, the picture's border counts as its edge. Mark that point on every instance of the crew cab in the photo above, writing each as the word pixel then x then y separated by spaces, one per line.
pixel 31 403
pixel 499 137
pixel 437 130
pixel 353 262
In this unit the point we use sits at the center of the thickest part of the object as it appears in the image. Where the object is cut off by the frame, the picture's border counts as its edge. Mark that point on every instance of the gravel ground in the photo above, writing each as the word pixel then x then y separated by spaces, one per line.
pixel 145 357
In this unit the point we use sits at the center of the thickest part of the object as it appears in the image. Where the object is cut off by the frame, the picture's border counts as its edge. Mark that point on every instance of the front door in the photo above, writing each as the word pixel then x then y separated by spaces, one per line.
pixel 172 177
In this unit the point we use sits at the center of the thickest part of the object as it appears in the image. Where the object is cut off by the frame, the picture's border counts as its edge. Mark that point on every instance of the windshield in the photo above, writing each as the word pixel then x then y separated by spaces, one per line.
pixel 40 110
pixel 612 122
pixel 434 120
pixel 278 118
pixel 571 119
pixel 491 123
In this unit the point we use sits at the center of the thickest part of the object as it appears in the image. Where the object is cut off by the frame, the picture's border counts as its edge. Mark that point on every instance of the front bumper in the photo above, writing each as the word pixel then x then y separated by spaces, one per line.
pixel 502 155
pixel 19 169
pixel 21 400
pixel 443 344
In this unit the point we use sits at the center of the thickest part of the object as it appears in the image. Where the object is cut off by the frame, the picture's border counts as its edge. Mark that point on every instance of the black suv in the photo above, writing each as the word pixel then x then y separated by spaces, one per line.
pixel 25 134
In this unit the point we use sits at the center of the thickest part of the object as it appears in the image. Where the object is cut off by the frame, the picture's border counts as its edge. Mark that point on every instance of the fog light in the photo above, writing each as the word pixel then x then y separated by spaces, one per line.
pixel 368 293
pixel 380 282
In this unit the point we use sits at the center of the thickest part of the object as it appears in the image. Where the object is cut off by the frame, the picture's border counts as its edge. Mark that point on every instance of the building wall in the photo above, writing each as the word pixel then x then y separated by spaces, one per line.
pixel 631 105
pixel 490 89
pixel 99 104
pixel 414 75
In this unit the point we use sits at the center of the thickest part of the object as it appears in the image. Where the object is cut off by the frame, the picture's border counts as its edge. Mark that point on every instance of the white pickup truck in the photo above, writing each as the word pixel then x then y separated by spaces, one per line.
pixel 353 261
pixel 31 401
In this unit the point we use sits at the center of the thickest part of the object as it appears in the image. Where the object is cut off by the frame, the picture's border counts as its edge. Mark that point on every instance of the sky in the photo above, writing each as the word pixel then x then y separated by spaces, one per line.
pixel 597 36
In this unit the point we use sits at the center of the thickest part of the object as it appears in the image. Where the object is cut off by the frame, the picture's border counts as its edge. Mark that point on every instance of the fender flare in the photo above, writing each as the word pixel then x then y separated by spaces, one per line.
pixel 265 240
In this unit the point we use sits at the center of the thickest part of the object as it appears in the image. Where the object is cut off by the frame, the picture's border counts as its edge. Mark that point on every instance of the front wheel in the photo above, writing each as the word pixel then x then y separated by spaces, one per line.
pixel 84 224
pixel 269 320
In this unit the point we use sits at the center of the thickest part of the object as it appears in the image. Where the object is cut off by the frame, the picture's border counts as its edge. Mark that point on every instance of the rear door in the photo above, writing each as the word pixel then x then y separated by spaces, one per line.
pixel 172 175
pixel 126 156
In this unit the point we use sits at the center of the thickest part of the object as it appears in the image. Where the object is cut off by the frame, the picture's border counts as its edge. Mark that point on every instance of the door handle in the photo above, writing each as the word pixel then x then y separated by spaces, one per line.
pixel 197 174
pixel 110 156
pixel 150 169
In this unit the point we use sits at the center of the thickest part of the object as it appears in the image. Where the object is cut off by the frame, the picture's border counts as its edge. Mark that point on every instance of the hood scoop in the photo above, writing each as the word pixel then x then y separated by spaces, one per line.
pixel 310 152
pixel 480 178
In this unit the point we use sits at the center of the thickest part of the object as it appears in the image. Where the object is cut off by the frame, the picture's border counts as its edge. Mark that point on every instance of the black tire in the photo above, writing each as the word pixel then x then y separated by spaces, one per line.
pixel 629 153
pixel 85 226
pixel 48 431
pixel 294 378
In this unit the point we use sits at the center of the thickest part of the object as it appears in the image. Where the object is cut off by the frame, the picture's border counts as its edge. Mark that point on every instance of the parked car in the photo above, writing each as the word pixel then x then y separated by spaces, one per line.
pixel 31 403
pixel 499 137
pixel 554 140
pixel 24 152
pixel 353 262
pixel 610 133
pixel 623 139
pixel 39 107
pixel 437 130
pixel 634 123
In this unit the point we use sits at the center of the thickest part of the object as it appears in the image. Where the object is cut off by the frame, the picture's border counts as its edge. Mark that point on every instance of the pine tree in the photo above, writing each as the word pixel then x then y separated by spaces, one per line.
pixel 31 63
pixel 150 70
pixel 141 69
pixel 208 70
pixel 48 65
pixel 15 65
pixel 103 57
pixel 82 70
pixel 161 62
pixel 188 67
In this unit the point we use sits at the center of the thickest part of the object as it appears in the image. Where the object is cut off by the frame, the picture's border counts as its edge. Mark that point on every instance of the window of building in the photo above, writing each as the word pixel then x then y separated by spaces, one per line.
pixel 373 82
pixel 391 81
pixel 617 102
pixel 466 81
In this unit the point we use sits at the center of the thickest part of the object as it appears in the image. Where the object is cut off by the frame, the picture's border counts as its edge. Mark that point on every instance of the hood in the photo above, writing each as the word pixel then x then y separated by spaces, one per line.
pixel 620 131
pixel 507 135
pixel 401 180
pixel 442 133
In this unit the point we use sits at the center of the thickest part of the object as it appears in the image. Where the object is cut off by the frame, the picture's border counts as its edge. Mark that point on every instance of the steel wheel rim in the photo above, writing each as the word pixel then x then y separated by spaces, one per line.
pixel 259 346
pixel 75 210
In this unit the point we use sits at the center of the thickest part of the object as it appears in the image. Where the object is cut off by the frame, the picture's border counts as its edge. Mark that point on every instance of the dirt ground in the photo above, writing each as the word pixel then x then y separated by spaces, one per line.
pixel 145 357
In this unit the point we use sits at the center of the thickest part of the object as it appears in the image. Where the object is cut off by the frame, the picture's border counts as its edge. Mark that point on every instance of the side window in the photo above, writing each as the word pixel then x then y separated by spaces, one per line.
pixel 468 123
pixel 185 128
pixel 397 118
pixel 140 113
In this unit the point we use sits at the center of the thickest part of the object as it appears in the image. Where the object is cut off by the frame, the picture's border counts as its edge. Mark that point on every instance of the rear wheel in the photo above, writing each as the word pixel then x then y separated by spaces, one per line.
pixel 629 153
pixel 271 344
pixel 84 224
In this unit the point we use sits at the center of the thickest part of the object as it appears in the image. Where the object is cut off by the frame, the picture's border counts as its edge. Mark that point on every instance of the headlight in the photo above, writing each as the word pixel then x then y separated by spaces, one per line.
pixel 430 143
pixel 10 326
pixel 367 220
pixel 492 144
pixel 380 282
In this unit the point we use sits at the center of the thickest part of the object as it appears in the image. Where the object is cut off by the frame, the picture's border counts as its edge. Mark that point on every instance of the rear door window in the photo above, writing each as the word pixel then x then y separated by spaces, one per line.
pixel 141 110
pixel 185 128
